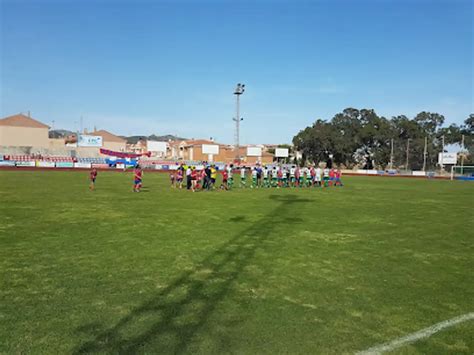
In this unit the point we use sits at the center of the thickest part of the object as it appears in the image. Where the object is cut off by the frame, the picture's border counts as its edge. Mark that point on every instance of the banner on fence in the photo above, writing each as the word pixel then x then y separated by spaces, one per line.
pixel 7 163
pixel 82 165
pixel 418 173
pixel 368 172
pixel 45 164
pixel 25 163
pixel 100 166
pixel 64 164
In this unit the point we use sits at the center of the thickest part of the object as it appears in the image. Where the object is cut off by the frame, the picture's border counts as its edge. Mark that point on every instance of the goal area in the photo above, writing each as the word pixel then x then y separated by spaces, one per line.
pixel 459 172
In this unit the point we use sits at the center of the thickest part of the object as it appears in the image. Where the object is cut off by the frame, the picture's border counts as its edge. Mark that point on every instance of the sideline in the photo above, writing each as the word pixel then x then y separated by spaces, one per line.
pixel 411 338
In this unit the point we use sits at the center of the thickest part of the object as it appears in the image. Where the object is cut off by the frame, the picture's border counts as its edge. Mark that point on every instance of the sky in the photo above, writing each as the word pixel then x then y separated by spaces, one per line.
pixel 170 67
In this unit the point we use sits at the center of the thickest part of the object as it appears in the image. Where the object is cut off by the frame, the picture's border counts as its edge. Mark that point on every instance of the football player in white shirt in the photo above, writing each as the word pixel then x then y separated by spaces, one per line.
pixel 265 177
pixel 292 176
pixel 274 176
pixel 254 178
pixel 326 177
pixel 230 175
pixel 318 176
pixel 243 177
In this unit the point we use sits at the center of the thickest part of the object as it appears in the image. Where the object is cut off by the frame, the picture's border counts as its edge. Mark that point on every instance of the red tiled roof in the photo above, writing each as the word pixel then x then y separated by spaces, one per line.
pixel 108 137
pixel 21 120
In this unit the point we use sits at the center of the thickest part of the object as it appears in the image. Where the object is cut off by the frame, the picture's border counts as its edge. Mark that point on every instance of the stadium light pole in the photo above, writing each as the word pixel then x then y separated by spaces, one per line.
pixel 239 90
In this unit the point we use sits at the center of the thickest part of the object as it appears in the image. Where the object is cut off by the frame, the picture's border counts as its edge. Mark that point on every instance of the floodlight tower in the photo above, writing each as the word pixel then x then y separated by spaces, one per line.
pixel 239 90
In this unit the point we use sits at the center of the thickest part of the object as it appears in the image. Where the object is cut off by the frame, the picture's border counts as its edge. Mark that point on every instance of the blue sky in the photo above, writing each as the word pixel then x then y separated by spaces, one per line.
pixel 142 67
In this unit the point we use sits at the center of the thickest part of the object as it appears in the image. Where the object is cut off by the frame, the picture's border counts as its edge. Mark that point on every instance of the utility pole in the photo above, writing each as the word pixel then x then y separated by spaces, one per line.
pixel 425 153
pixel 391 154
pixel 462 153
pixel 239 90
pixel 442 155
pixel 408 150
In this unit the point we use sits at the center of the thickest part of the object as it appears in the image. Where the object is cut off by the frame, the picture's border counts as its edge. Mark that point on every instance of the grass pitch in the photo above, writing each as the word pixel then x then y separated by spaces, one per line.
pixel 247 271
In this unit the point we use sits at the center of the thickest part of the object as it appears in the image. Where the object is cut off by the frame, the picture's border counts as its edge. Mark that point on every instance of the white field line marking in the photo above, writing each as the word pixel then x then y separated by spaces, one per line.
pixel 424 333
pixel 307 305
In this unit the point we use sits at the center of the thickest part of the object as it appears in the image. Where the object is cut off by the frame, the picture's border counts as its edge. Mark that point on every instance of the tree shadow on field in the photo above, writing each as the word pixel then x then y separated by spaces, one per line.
pixel 169 320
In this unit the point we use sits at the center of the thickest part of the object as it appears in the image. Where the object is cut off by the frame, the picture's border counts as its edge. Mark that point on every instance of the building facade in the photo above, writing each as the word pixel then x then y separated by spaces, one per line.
pixel 23 131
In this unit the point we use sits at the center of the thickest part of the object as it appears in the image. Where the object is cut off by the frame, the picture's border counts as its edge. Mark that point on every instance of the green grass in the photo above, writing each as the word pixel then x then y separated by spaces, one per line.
pixel 245 272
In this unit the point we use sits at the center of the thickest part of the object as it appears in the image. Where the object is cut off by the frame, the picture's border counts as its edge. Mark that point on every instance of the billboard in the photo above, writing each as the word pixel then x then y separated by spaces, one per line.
pixel 7 163
pixel 26 163
pixel 154 146
pixel 281 152
pixel 254 152
pixel 447 158
pixel 45 164
pixel 210 149
pixel 89 141
pixel 64 164
pixel 82 165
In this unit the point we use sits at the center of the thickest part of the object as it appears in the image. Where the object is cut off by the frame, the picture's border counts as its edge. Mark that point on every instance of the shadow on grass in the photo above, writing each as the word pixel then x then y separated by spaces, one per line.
pixel 168 321
pixel 237 219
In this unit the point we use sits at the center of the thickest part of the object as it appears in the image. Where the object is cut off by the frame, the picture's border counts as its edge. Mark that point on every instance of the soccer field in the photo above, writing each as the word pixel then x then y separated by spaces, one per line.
pixel 248 271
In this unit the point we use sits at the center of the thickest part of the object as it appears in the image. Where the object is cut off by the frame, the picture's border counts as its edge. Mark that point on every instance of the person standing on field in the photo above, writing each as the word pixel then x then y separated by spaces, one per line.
pixel 318 175
pixel 92 176
pixel 137 176
pixel 213 175
pixel 326 172
pixel 230 175
pixel 188 178
pixel 179 177
pixel 312 172
pixel 337 176
pixel 243 178
pixel 194 178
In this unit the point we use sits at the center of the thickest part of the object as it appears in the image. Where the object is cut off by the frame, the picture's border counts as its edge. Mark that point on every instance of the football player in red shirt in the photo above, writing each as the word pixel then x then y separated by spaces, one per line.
pixel 92 177
pixel 137 175
pixel 225 180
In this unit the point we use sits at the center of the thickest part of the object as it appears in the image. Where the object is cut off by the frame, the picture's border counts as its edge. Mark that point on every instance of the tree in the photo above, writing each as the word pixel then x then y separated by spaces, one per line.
pixel 430 122
pixel 353 135
pixel 469 124
pixel 467 130
pixel 315 142
pixel 452 134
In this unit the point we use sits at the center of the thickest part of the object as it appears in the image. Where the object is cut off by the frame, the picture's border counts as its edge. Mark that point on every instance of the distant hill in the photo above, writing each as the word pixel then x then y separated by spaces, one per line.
pixel 153 137
pixel 59 133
